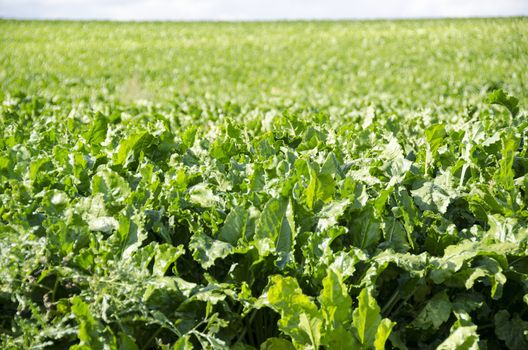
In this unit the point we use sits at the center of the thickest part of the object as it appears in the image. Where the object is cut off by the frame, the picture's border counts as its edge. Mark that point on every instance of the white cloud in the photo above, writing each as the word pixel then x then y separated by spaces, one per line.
pixel 257 9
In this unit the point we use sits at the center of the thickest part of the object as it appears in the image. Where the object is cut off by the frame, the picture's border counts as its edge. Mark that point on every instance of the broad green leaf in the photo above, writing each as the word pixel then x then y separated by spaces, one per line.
pixel 131 232
pixel 366 317
pixel 435 313
pixel 505 174
pixel 383 333
pixel 435 135
pixel 365 229
pixel 312 327
pixel 92 334
pixel 126 342
pixel 166 255
pixel 277 344
pixel 234 226
pixel 434 195
pixel 500 97
pixel 206 249
pixel 340 339
pixel 112 186
pixel 320 188
pixel 490 269
pixel 275 231
pixel 330 213
pixel 284 295
pixel 511 330
pixel 203 196
pixel 184 343
pixel 461 337
pixel 300 318
pixel 97 133
pixel 104 224
pixel 130 145
pixel 336 304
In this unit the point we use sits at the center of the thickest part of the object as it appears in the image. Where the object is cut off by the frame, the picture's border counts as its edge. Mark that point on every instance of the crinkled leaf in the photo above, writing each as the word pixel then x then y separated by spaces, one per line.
pixel 511 330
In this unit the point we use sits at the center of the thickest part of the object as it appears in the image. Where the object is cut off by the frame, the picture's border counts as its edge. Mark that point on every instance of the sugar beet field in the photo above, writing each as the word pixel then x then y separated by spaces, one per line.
pixel 268 185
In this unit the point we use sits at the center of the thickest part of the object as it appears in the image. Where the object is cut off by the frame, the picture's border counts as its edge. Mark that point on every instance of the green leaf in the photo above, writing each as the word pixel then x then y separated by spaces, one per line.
pixel 486 267
pixel 312 327
pixel 202 195
pixel 275 232
pixel 131 232
pixel 166 254
pixel 92 334
pixel 461 337
pixel 365 229
pixel 513 331
pixel 366 318
pixel 383 333
pixel 435 135
pixel 234 226
pixel 126 342
pixel 435 313
pixel 97 133
pixel 285 295
pixel 336 304
pixel 434 195
pixel 206 250
pixel 131 145
pixel 340 339
pixel 277 344
pixel 184 343
pixel 320 188
pixel 505 173
pixel 112 186
pixel 300 318
pixel 500 97
pixel 330 213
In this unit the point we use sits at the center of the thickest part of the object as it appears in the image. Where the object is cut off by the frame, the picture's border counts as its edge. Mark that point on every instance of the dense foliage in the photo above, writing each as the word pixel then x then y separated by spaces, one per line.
pixel 327 185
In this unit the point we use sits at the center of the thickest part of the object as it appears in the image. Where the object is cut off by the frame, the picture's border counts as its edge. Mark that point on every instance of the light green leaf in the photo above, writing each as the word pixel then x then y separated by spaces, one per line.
pixel 97 132
pixel 277 344
pixel 166 254
pixel 366 317
pixel 206 250
pixel 330 213
pixel 383 333
pixel 311 326
pixel 275 232
pixel 434 195
pixel 336 304
pixel 340 339
pixel 505 174
pixel 130 145
pixel 320 188
pixel 203 196
pixel 285 297
pixel 126 342
pixel 184 343
pixel 500 97
pixel 92 335
pixel 462 337
pixel 234 226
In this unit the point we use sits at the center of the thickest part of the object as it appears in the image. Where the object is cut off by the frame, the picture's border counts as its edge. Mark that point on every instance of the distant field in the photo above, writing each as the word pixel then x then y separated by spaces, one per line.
pixel 412 64
pixel 273 185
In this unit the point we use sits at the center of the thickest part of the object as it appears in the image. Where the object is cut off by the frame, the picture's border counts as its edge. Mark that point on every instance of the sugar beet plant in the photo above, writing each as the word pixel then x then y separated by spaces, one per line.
pixel 286 233
pixel 203 224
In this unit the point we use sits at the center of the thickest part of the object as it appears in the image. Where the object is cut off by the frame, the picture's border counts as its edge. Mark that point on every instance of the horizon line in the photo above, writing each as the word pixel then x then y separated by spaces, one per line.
pixel 260 20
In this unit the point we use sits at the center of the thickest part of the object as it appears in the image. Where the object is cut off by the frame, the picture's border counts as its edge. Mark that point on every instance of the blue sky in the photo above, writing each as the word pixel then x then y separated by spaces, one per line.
pixel 257 9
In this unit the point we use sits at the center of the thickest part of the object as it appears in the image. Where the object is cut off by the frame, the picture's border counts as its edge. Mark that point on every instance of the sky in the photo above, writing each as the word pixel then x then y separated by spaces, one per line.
pixel 257 9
